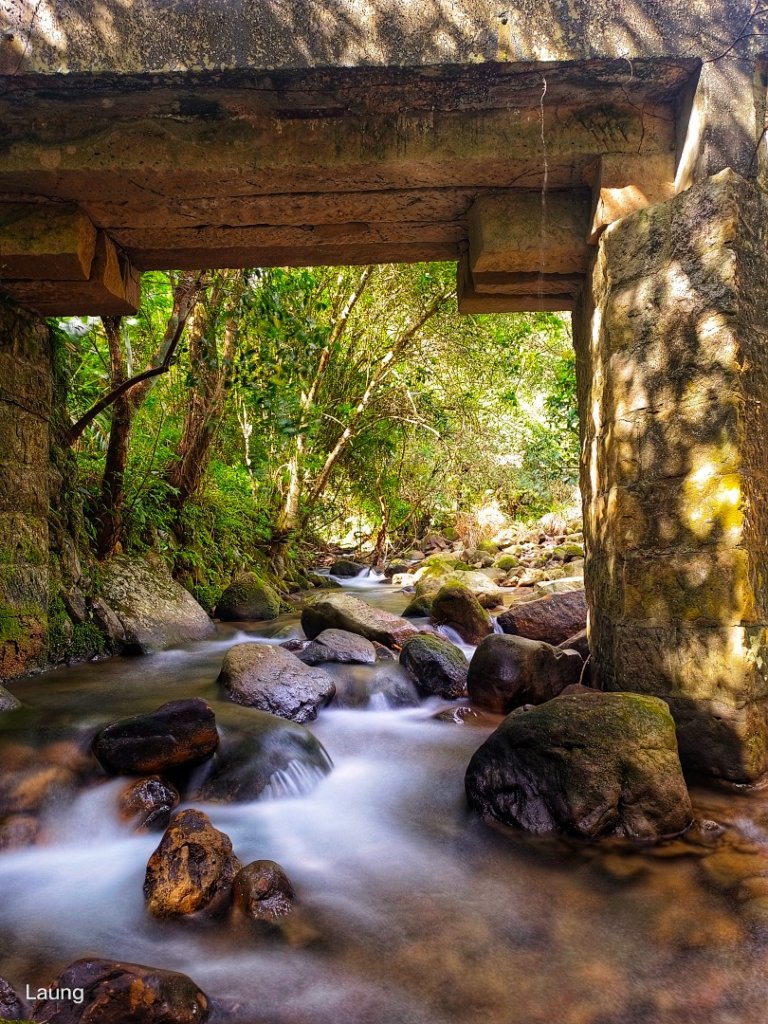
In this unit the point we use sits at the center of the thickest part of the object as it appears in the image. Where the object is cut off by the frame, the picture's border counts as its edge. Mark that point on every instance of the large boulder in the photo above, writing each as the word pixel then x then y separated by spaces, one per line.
pixel 437 667
pixel 338 645
pixel 248 597
pixel 266 755
pixel 552 619
pixel 342 611
pixel 180 733
pixel 485 589
pixel 592 765
pixel 274 680
pixel 345 568
pixel 122 993
pixel 457 607
pixel 155 611
pixel 509 671
pixel 192 869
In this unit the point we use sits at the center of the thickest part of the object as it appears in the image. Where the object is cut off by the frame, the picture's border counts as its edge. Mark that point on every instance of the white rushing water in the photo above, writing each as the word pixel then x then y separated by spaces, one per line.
pixel 410 910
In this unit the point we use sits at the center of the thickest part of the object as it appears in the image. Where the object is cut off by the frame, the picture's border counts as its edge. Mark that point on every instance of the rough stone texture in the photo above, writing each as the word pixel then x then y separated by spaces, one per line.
pixel 594 765
pixel 155 37
pixel 11 1007
pixel 509 671
pixel 7 700
pixel 487 592
pixel 341 611
pixel 155 611
pixel 149 803
pixel 26 385
pixel 338 645
pixel 191 870
pixel 275 680
pixel 552 619
pixel 672 378
pixel 180 733
pixel 122 993
pixel 437 667
pixel 248 597
pixel 269 754
pixel 344 567
pixel 263 892
pixel 457 607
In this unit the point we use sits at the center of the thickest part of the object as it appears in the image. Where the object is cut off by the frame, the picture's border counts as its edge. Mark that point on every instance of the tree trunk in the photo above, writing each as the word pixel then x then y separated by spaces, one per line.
pixel 109 518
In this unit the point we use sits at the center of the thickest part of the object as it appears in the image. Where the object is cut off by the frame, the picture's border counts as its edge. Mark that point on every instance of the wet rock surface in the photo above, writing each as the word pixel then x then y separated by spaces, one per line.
pixel 191 870
pixel 123 993
pixel 590 765
pixel 262 891
pixel 552 619
pixel 149 803
pixel 11 1006
pixel 341 611
pixel 338 645
pixel 456 606
pixel 178 734
pixel 268 754
pixel 436 666
pixel 248 597
pixel 509 671
pixel 7 700
pixel 345 568
pixel 275 680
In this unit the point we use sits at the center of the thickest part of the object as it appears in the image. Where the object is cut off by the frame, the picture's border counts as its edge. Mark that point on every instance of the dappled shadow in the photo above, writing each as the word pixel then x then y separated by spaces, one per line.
pixel 672 370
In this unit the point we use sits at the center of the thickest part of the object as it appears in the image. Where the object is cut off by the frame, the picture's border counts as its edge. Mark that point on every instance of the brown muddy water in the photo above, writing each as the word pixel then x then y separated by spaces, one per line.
pixel 412 911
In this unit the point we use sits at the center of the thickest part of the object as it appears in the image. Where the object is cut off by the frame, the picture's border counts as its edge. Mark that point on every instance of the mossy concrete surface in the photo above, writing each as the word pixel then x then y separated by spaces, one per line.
pixel 25 408
pixel 673 376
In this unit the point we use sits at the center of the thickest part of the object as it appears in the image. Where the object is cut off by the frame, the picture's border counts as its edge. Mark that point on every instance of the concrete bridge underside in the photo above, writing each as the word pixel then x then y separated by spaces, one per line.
pixel 567 157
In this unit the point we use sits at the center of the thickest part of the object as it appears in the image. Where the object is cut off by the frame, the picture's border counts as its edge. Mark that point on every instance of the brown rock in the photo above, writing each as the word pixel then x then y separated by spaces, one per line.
pixel 552 619
pixel 191 870
pixel 123 993
pixel 27 790
pixel 149 803
pixel 456 606
pixel 18 830
pixel 509 671
pixel 180 733
pixel 263 892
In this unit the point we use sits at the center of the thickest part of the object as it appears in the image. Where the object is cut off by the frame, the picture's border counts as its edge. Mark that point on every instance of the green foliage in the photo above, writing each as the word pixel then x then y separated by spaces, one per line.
pixel 68 641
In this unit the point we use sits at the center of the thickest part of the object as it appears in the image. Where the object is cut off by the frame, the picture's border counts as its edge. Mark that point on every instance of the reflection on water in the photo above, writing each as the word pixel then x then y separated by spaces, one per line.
pixel 414 912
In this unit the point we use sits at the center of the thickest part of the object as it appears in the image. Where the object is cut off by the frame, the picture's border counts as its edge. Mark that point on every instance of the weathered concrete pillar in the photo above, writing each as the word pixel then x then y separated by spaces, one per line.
pixel 672 345
pixel 25 408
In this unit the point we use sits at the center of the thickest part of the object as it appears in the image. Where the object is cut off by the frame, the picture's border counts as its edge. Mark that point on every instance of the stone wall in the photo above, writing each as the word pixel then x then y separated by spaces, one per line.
pixel 97 36
pixel 25 409
pixel 673 381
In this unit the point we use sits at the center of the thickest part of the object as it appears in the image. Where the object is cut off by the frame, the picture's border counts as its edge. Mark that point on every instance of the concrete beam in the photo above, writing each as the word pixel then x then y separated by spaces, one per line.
pixel 538 295
pixel 529 232
pixel 621 186
pixel 113 288
pixel 45 242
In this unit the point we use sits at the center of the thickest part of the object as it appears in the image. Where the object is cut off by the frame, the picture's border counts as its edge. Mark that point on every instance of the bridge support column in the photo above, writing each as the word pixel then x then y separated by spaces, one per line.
pixel 672 347
pixel 25 408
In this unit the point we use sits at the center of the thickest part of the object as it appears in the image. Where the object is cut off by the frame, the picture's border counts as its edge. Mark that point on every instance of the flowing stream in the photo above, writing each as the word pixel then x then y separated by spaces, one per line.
pixel 411 910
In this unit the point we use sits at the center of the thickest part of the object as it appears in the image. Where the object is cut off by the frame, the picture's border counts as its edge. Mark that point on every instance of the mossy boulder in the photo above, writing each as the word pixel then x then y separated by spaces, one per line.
pixel 507 562
pixel 486 590
pixel 552 619
pixel 345 568
pixel 456 606
pixel 248 598
pixel 593 765
pixel 509 671
pixel 155 611
pixel 437 667
pixel 419 606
